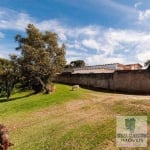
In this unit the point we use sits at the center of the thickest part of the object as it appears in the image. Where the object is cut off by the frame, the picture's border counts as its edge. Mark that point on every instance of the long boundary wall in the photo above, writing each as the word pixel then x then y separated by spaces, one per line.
pixel 137 81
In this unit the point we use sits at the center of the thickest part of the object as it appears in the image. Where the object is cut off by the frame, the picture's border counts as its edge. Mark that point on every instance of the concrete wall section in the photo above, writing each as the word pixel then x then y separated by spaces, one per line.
pixel 137 81
pixel 102 80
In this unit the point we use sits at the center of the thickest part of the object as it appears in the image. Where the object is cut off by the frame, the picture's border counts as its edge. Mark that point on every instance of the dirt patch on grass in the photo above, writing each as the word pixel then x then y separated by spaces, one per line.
pixel 80 111
pixel 59 120
pixel 98 107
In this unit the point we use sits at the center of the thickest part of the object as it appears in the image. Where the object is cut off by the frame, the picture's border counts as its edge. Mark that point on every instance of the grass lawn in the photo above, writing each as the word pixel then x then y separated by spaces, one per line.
pixel 68 120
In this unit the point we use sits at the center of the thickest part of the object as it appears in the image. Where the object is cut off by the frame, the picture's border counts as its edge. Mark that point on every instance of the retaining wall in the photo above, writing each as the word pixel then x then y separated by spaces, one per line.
pixel 136 81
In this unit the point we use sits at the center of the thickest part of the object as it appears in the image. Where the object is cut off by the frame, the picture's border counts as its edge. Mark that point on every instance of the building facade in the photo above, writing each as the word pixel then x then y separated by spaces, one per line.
pixel 106 68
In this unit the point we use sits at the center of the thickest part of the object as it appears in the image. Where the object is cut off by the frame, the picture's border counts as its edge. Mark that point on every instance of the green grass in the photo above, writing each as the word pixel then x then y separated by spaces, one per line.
pixel 127 109
pixel 23 102
pixel 58 136
pixel 66 120
pixel 90 136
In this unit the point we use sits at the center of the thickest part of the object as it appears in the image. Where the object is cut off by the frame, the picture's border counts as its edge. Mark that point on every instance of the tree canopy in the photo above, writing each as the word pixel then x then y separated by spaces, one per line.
pixel 8 76
pixel 41 57
pixel 76 64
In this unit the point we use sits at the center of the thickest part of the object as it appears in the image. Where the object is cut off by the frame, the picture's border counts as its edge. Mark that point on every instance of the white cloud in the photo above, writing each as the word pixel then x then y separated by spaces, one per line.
pixel 143 19
pixel 72 53
pixel 22 20
pixel 72 58
pixel 7 49
pixel 144 15
pixel 143 56
pixel 95 44
pixel 102 59
pixel 136 5
pixel 76 45
pixel 10 19
pixel 91 43
pixel 115 45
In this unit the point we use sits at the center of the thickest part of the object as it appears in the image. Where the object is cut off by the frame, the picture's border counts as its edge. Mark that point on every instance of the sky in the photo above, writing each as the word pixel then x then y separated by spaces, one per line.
pixel 96 31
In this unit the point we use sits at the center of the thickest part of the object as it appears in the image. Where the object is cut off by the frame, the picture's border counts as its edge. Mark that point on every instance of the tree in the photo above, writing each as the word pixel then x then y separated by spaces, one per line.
pixel 8 76
pixel 147 64
pixel 77 63
pixel 41 58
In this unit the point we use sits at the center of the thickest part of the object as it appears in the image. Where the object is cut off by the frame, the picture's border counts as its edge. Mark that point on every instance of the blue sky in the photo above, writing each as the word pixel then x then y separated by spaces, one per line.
pixel 98 31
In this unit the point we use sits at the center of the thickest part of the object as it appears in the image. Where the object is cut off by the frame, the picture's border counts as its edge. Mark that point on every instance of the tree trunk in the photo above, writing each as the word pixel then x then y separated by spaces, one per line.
pixel 9 88
pixel 45 88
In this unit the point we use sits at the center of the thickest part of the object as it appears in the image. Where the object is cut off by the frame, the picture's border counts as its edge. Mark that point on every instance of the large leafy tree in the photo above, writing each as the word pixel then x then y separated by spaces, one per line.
pixel 41 57
pixel 9 75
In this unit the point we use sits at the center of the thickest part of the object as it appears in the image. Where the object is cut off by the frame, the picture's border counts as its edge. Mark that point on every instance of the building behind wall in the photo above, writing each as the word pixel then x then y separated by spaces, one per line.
pixel 106 68
pixel 133 67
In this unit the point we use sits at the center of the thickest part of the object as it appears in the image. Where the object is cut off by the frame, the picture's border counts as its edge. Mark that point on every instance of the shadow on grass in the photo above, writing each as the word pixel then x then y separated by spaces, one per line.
pixel 116 91
pixel 3 100
pixel 98 89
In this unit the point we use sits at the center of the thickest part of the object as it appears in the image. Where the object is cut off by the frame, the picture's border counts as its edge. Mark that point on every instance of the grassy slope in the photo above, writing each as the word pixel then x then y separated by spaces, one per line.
pixel 68 120
pixel 24 102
